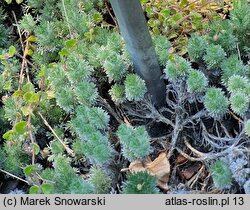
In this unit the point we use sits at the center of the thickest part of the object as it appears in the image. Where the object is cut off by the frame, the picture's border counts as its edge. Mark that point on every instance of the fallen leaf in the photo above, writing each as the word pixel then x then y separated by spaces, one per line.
pixel 160 168
pixel 180 160
pixel 189 172
pixel 136 166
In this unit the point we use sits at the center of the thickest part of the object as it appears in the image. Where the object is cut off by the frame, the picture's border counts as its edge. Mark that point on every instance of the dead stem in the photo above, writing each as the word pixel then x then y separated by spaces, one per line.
pixel 24 49
pixel 19 31
pixel 176 131
pixel 194 179
pixel 214 155
pixel 14 176
pixel 31 137
pixel 111 15
pixel 68 150
pixel 146 110
pixel 28 62
pixel 111 111
pixel 195 151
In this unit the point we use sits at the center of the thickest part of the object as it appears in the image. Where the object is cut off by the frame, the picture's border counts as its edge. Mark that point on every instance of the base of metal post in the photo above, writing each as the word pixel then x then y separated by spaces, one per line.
pixel 133 27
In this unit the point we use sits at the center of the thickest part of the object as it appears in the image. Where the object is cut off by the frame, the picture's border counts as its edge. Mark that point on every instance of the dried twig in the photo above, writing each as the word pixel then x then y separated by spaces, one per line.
pixel 19 31
pixel 197 116
pixel 111 111
pixel 31 137
pixel 28 62
pixel 195 151
pixel 24 49
pixel 67 18
pixel 68 150
pixel 14 176
pixel 146 110
pixel 194 179
pixel 175 135
pixel 111 15
pixel 189 157
pixel 214 155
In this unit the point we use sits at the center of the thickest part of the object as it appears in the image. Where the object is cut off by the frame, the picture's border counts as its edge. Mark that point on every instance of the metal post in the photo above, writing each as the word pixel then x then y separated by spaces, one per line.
pixel 133 27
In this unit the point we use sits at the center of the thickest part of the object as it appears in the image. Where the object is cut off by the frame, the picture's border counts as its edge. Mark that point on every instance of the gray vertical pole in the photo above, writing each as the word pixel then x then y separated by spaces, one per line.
pixel 133 27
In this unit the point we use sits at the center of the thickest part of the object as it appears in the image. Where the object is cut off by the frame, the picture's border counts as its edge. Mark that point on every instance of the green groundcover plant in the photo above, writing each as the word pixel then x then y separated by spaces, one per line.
pixel 179 19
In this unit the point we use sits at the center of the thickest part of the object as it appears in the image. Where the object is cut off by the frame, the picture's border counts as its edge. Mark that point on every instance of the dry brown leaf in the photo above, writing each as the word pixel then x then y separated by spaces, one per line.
pixel 180 160
pixel 190 171
pixel 160 168
pixel 136 166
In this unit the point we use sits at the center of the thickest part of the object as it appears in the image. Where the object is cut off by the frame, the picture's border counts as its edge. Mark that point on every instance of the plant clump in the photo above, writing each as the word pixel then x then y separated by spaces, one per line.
pixel 177 20
pixel 214 56
pixel 135 142
pixel 196 47
pixel 216 102
pixel 176 68
pixel 117 93
pixel 239 103
pixel 221 174
pixel 237 83
pixel 140 183
pixel 135 87
pixel 196 81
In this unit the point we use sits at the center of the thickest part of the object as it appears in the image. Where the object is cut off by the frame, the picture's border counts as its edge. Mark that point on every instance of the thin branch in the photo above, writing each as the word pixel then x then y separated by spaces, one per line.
pixel 195 151
pixel 109 108
pixel 31 64
pixel 237 118
pixel 31 137
pixel 197 116
pixel 68 150
pixel 225 130
pixel 14 176
pixel 27 71
pixel 111 15
pixel 188 156
pixel 238 49
pixel 67 18
pixel 194 179
pixel 18 30
pixel 216 138
pixel 23 66
pixel 175 135
pixel 148 111
pixel 193 2
pixel 214 155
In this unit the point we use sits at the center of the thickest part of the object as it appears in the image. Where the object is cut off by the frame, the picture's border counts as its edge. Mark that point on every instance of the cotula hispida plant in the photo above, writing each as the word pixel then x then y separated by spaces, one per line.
pixel 215 80
pixel 222 78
